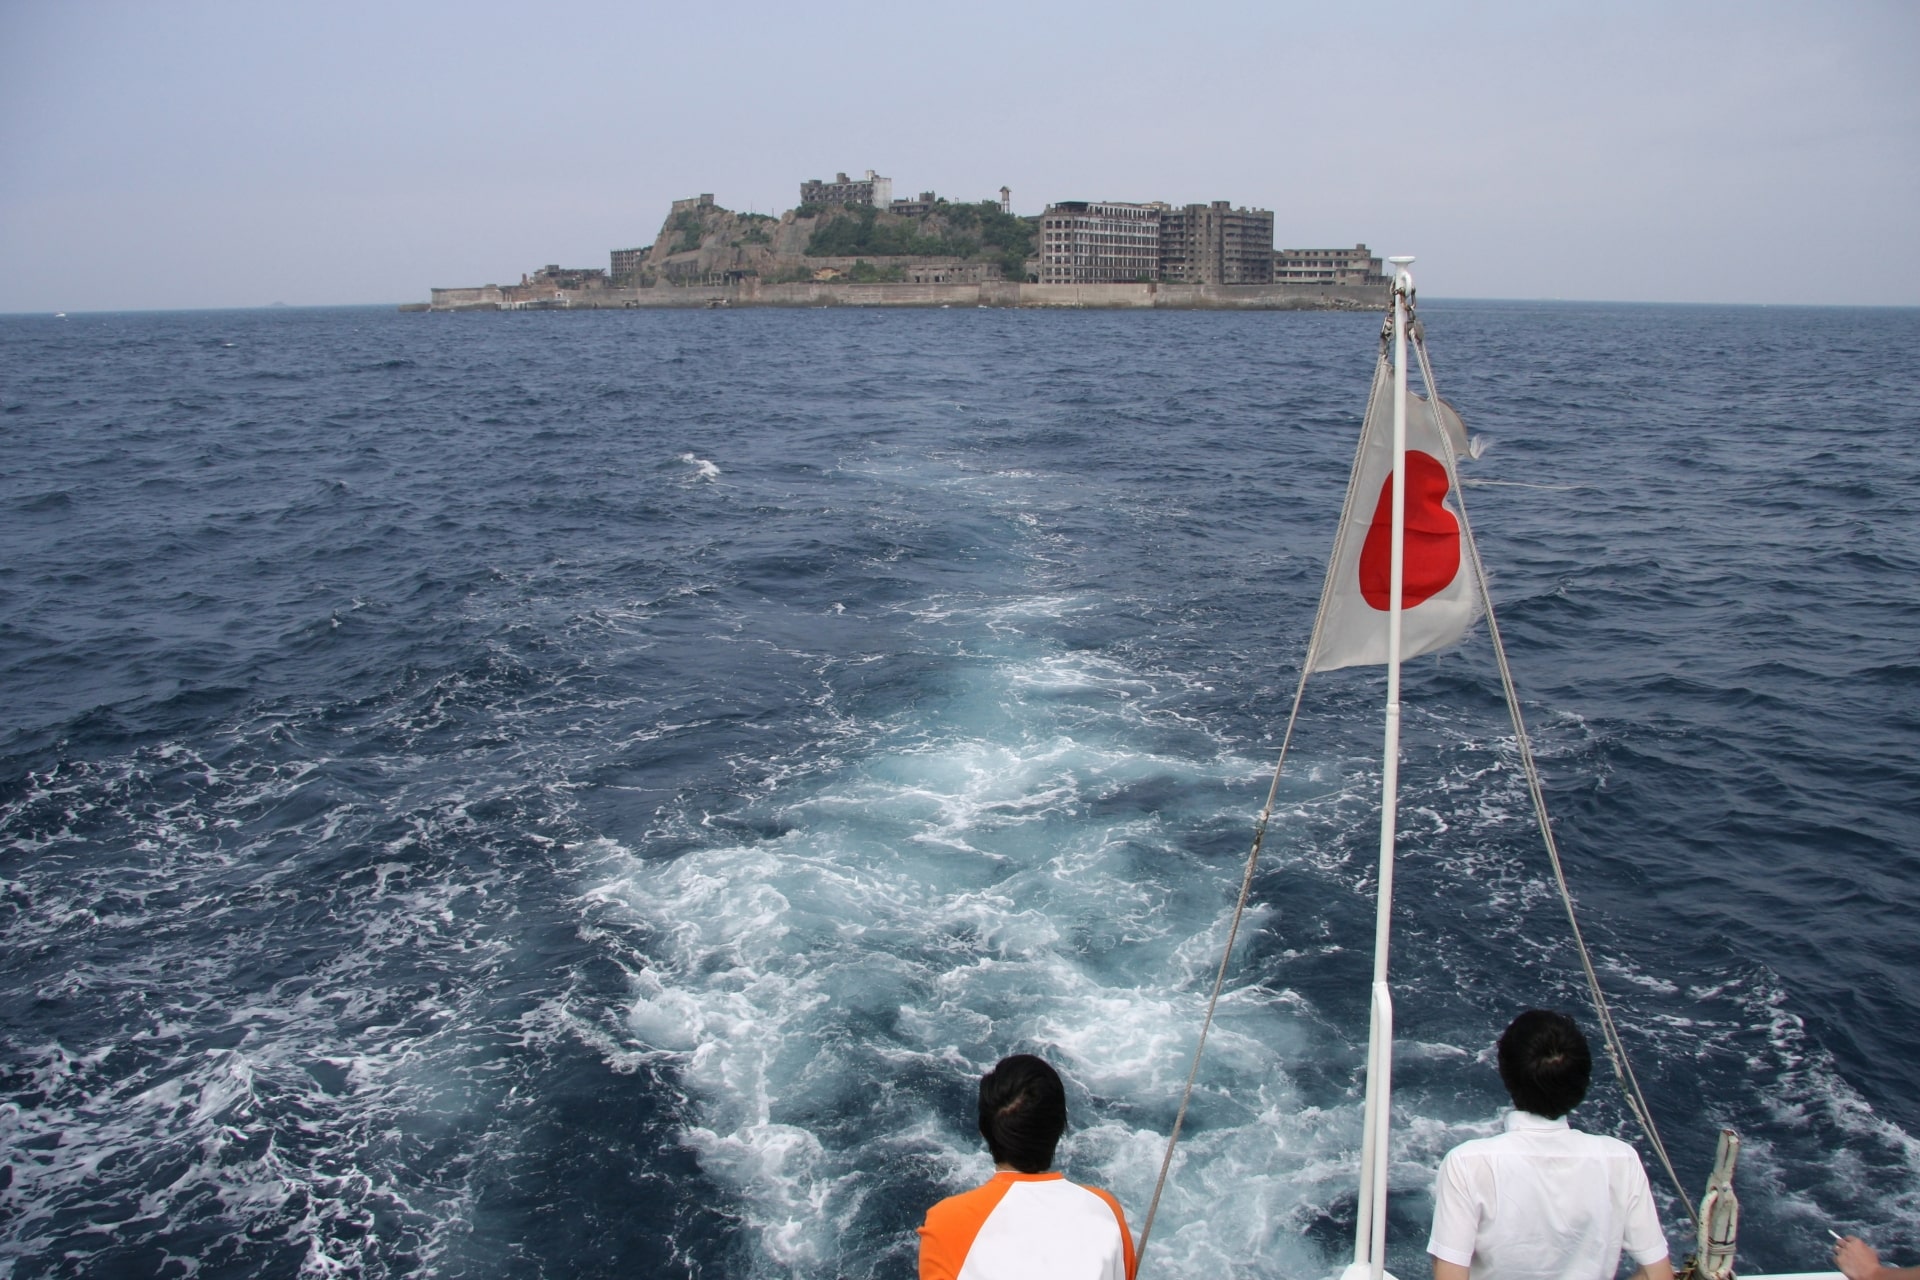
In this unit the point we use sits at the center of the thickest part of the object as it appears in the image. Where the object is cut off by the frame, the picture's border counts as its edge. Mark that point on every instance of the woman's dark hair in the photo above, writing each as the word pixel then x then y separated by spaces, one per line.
pixel 1023 1112
pixel 1545 1063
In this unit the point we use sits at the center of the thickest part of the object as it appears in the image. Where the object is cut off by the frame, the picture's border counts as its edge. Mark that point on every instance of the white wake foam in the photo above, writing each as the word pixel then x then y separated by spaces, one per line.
pixel 956 897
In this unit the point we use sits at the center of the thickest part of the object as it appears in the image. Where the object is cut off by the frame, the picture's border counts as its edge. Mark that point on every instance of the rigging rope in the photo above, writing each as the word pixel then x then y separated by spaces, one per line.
pixel 1253 861
pixel 1220 978
pixel 1610 1034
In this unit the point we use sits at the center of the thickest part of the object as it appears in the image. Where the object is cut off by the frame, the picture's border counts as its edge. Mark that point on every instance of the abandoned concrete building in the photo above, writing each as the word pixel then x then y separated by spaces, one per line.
pixel 1099 242
pixel 1216 244
pixel 871 190
pixel 953 271
pixel 914 208
pixel 555 276
pixel 626 266
pixel 1327 266
pixel 1087 242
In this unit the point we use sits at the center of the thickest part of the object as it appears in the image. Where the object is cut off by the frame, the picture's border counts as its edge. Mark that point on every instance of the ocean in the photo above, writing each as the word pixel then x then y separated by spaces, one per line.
pixel 547 794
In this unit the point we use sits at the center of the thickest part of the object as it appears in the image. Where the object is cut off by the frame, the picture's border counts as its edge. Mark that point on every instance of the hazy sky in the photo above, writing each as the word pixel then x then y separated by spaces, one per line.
pixel 189 154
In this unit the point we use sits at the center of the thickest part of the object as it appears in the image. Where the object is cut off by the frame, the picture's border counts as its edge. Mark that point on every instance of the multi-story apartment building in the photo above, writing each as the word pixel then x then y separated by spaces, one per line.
pixel 626 266
pixel 1327 266
pixel 1099 242
pixel 1087 242
pixel 1216 244
pixel 872 189
pixel 914 208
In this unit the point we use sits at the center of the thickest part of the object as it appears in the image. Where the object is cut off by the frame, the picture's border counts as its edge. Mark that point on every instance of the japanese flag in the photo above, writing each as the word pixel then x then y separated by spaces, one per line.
pixel 1440 598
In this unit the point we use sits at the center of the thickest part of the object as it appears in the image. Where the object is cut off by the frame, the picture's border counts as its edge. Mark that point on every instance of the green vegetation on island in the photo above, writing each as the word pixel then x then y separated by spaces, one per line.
pixel 686 227
pixel 949 230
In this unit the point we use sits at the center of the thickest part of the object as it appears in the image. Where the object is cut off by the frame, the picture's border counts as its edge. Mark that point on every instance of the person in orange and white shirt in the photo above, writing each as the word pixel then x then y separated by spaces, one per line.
pixel 1025 1223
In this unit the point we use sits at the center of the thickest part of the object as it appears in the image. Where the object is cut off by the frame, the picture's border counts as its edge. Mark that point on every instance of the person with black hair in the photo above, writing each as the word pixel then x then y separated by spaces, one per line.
pixel 1026 1222
pixel 1544 1201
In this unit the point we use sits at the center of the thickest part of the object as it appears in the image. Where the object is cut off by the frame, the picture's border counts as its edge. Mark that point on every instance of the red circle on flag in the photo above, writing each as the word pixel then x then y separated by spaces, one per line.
pixel 1432 544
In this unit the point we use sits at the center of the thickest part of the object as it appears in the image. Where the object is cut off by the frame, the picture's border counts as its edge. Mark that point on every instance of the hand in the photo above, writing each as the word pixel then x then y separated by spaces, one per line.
pixel 1856 1258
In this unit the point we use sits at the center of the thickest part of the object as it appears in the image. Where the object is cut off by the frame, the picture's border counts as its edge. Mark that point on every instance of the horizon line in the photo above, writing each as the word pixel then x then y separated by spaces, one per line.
pixel 50 313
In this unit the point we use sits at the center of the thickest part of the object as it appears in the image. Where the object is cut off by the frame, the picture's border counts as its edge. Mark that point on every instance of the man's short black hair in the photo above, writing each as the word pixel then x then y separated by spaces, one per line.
pixel 1023 1112
pixel 1545 1063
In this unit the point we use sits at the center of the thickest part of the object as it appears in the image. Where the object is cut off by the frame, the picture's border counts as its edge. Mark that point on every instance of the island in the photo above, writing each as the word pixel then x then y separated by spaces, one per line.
pixel 849 242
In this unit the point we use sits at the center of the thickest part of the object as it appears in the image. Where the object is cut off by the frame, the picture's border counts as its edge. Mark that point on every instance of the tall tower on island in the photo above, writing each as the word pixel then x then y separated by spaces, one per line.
pixel 1006 200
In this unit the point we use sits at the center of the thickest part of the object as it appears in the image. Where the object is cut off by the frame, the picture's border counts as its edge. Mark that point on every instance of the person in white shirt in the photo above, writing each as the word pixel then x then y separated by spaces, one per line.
pixel 1544 1201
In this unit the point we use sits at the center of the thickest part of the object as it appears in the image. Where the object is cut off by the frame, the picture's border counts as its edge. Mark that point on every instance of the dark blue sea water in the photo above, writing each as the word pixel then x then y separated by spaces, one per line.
pixel 577 795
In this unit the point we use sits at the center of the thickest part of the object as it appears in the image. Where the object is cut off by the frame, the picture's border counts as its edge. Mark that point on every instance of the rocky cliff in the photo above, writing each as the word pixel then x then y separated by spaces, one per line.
pixel 702 243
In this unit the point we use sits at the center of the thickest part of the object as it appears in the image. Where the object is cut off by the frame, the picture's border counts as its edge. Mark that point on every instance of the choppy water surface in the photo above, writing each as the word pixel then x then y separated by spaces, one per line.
pixel 587 794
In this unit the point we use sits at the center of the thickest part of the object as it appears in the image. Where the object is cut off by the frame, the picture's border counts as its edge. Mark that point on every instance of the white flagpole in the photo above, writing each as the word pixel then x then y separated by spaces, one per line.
pixel 1370 1227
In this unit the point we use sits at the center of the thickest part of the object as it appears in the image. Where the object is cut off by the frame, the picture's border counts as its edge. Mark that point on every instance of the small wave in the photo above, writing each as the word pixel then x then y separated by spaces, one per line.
pixel 702 469
pixel 52 500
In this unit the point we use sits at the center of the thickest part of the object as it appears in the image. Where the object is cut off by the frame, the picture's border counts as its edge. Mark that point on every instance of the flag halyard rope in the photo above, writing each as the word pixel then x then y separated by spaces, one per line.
pixel 1610 1034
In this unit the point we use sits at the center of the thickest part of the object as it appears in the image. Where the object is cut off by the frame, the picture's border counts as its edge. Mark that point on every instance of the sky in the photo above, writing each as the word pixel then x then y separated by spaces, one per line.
pixel 228 154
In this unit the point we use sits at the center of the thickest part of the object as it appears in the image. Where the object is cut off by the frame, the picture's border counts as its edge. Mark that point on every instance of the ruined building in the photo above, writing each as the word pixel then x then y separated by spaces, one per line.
pixel 555 277
pixel 626 266
pixel 1099 242
pixel 872 190
pixel 1327 266
pixel 1216 244
pixel 915 208
pixel 1087 242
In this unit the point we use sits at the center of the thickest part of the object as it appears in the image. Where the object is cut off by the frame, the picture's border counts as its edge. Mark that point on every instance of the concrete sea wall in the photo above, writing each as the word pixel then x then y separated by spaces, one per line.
pixel 1256 297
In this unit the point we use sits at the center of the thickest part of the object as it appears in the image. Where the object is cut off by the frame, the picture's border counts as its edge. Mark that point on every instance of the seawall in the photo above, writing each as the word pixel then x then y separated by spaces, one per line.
pixel 1188 297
